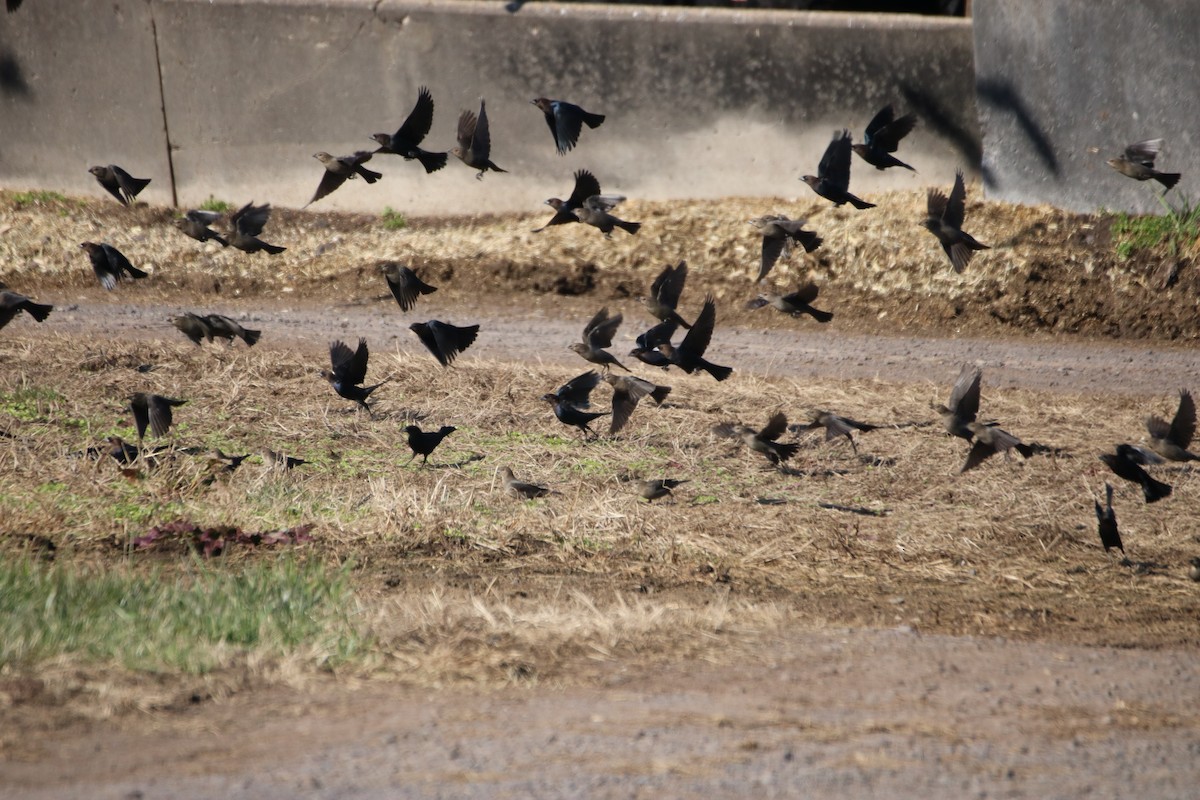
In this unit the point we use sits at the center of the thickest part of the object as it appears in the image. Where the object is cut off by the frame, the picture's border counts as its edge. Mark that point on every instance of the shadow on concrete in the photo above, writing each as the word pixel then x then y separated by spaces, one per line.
pixel 12 80
pixel 1000 94
pixel 943 123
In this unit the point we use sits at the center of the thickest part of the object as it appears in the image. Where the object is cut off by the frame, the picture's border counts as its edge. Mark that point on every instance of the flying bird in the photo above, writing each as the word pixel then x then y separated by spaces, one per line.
pixel 154 411
pixel 1171 440
pixel 832 180
pixel 405 285
pixel 110 264
pixel 1106 520
pixel 586 186
pixel 339 169
pixel 627 391
pixel 1124 464
pixel 664 295
pixel 778 233
pixel 688 355
pixel 989 440
pixel 1138 163
pixel 475 142
pixel 836 426
pixel 223 327
pixel 570 400
pixel 565 121
pixel 945 219
pixel 595 211
pixel 964 403
pixel 193 327
pixel 795 304
pixel 119 183
pixel 406 140
pixel 195 224
pixel 348 372
pixel 597 335
pixel 882 138
pixel 245 226
pixel 444 340
pixel 12 304
pixel 764 441
pixel 422 443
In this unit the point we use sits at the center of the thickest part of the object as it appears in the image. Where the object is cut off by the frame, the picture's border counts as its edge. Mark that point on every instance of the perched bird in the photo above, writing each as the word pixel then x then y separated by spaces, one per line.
pixel 12 304
pixel 405 285
pixel 836 426
pixel 565 121
pixel 119 183
pixel 444 340
pixel 764 441
pixel 422 443
pixel 475 142
pixel 778 233
pixel 571 398
pixel 1106 518
pixel 989 440
pixel 832 180
pixel 664 295
pixel 405 141
pixel 339 169
pixel 964 403
pixel 882 138
pixel 689 354
pixel 597 335
pixel 280 460
pixel 945 219
pixel 193 327
pixel 349 370
pixel 627 391
pixel 195 224
pixel 586 186
pixel 795 304
pixel 1124 465
pixel 245 226
pixel 527 491
pixel 659 487
pixel 153 410
pixel 1138 163
pixel 225 328
pixel 110 264
pixel 595 212
pixel 1171 441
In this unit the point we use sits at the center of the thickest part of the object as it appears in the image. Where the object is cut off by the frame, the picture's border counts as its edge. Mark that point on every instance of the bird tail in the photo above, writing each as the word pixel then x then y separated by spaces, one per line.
pixel 821 316
pixel 369 175
pixel 250 337
pixel 135 273
pixel 221 239
pixel 718 372
pixel 810 240
pixel 1155 490
pixel 273 249
pixel 135 185
pixel 628 227
pixel 593 120
pixel 1167 179
pixel 1024 449
pixel 858 202
pixel 494 168
pixel 678 320
pixel 38 311
pixel 432 162
pixel 660 394
pixel 786 451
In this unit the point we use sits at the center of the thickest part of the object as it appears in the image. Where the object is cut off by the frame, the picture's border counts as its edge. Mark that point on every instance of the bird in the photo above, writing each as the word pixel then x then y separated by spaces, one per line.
pixel 945 219
pixel 280 460
pixel 778 233
pixel 195 224
pixel 795 304
pixel 565 121
pixel 119 183
pixel 1123 463
pixel 586 186
pixel 13 5
pixel 627 391
pixel 764 441
pixel 121 451
pixel 110 264
pixel 1171 441
pixel 422 443
pixel 152 410
pixel 339 169
pixel 964 403
pixel 245 226
pixel 220 462
pixel 664 295
pixel 659 487
pixel 405 285
pixel 12 303
pixel 407 138
pixel 571 398
pixel 1194 572
pixel 348 372
pixel 689 354
pixel 597 335
pixel 836 426
pixel 444 340
pixel 225 328
pixel 595 212
pixel 474 146
pixel 882 138
pixel 832 180
pixel 193 327
pixel 527 491
pixel 1137 162
pixel 1106 520
pixel 989 440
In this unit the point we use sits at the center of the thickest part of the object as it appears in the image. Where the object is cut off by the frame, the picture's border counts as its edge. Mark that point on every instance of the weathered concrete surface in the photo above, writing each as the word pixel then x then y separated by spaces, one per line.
pixel 1064 85
pixel 79 87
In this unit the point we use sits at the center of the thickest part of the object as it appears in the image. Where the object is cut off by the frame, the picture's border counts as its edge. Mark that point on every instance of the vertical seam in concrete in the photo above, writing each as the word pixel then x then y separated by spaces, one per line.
pixel 162 104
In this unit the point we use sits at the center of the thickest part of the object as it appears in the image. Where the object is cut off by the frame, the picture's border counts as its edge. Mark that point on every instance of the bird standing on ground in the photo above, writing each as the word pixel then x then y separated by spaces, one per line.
pixel 689 354
pixel 597 335
pixel 795 304
pixel 110 264
pixel 595 211
pixel 945 219
pixel 119 183
pixel 565 121
pixel 154 411
pixel 964 403
pixel 586 186
pixel 627 391
pixel 475 142
pixel 443 340
pixel 778 233
pixel 12 304
pixel 660 487
pixel 245 226
pixel 1124 464
pixel 405 285
pixel 422 443
pixel 764 441
pixel 664 295
pixel 1106 520
pixel 526 491
pixel 832 180
pixel 348 372
pixel 571 398
pixel 339 169
pixel 284 462
pixel 882 138
pixel 195 224
pixel 1171 441
pixel 406 140
pixel 1137 162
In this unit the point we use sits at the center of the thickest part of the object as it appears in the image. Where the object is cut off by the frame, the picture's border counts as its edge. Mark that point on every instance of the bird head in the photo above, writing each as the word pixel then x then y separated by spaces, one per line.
pixel 543 103
pixel 456 151
pixel 555 203
pixel 324 158
pixel 811 180
pixel 384 139
pixel 98 171
pixel 861 149
pixel 411 429
pixel 578 347
pixel 550 398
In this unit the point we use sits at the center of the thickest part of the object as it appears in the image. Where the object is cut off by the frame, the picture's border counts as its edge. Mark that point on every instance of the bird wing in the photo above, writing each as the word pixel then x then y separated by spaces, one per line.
pixel 980 451
pixel 603 202
pixel 1183 427
pixel 586 186
pixel 772 249
pixel 956 206
pixel 160 415
pixel 877 123
pixel 888 137
pixel 424 332
pixel 568 119
pixel 202 217
pixel 964 397
pixel 101 266
pixel 141 417
pixel 834 168
pixel 481 142
pixel 108 180
pixel 419 121
pixel 1144 152
pixel 601 329
pixel 467 123
pixel 776 427
pixel 624 401
pixel 406 286
pixel 250 219
pixel 451 339
pixel 577 390
pixel 659 334
pixel 349 366
pixel 118 263
pixel 696 341
pixel 804 295
pixel 935 203
pixel 129 184
pixel 668 286
pixel 329 182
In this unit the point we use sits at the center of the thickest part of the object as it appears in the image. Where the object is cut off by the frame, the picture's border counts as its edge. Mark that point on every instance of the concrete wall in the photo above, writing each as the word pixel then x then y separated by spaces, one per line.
pixel 1064 85
pixel 699 102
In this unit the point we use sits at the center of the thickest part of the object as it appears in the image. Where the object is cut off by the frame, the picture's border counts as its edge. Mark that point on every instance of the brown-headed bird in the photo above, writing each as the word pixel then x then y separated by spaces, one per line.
pixel 1124 464
pixel 474 146
pixel 119 183
pixel 664 295
pixel 571 398
pixel 659 487
pixel 1171 440
pixel 1137 162
pixel 110 264
pixel 443 340
pixel 1106 520
pixel 597 335
pixel 832 180
pixel 405 285
pixel 688 355
pixel 195 224
pixel 223 327
pixel 586 186
pixel 989 440
pixel 422 443
pixel 12 304
pixel 595 211
pixel 348 372
pixel 882 138
pixel 627 391
pixel 193 327
pixel 764 441
pixel 245 226
pixel 795 304
pixel 526 491
pixel 152 410
pixel 565 121
pixel 778 233
pixel 122 451
pixel 836 426
pixel 407 138
pixel 339 169
pixel 284 462
pixel 964 403
pixel 945 219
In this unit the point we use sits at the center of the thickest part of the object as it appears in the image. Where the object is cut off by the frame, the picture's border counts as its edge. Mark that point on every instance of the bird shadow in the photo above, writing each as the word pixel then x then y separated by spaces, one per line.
pixel 1000 94
pixel 866 512
pixel 471 459
pixel 934 113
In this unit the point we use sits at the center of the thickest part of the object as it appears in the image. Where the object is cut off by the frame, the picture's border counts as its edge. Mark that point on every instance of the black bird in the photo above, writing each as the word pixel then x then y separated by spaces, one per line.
pixel 778 233
pixel 659 334
pixel 836 426
pixel 597 335
pixel 964 403
pixel 152 410
pixel 193 327
pixel 651 355
pixel 245 226
pixel 405 141
pixel 571 398
pixel 110 264
pixel 1138 163
pixel 627 391
pixel 475 142
pixel 764 441
pixel 595 211
pixel 422 443
pixel 220 462
pixel 689 354
pixel 832 180
pixel 280 460
pixel 225 328
pixel 1171 440
pixel 119 183
pixel 795 304
pixel 1106 518
pixel 883 136
pixel 1123 463
pixel 195 224
pixel 444 340
pixel 989 440
pixel 349 370
pixel 527 491
pixel 339 169
pixel 405 285
pixel 586 186
pixel 664 295
pixel 945 219
pixel 565 121
pixel 12 304
pixel 660 487
pixel 122 451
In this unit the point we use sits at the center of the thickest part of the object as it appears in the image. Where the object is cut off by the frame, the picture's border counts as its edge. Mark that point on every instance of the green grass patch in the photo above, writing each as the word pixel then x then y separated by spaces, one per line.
pixel 38 198
pixel 393 220
pixel 29 403
pixel 1177 230
pixel 213 204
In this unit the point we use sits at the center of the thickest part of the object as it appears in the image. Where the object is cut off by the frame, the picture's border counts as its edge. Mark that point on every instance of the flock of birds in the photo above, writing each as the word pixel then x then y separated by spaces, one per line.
pixel 571 403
